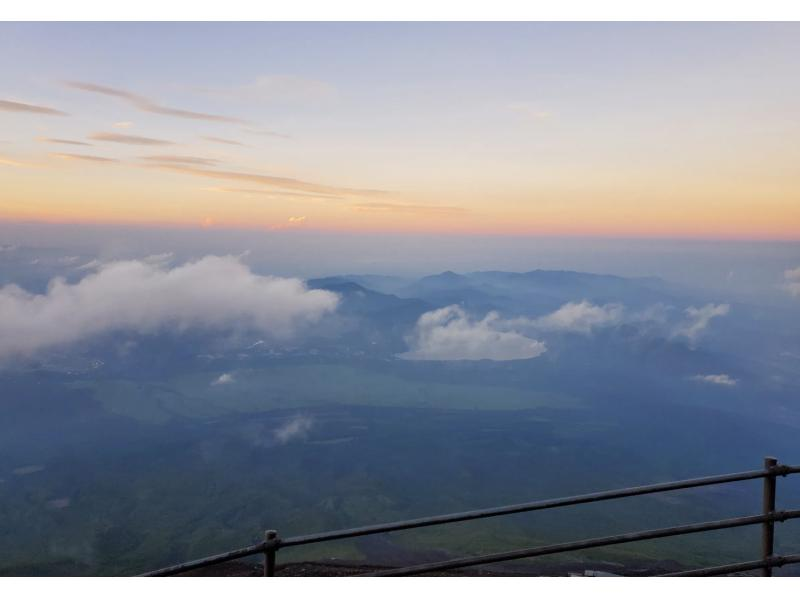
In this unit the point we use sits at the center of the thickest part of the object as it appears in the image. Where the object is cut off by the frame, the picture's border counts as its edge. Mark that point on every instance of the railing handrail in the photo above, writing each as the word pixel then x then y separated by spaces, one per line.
pixel 272 543
pixel 652 534
pixel 538 505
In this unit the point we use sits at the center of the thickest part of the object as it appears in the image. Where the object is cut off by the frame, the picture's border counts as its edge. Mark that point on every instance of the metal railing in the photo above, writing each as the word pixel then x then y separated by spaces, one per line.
pixel 769 516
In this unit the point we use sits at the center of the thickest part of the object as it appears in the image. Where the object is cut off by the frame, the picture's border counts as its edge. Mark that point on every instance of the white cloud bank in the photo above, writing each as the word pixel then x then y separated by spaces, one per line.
pixel 792 284
pixel 296 428
pixel 213 293
pixel 449 334
pixel 720 379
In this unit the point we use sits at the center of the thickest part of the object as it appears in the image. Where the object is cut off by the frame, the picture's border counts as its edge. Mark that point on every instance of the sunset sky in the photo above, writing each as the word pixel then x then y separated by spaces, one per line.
pixel 620 130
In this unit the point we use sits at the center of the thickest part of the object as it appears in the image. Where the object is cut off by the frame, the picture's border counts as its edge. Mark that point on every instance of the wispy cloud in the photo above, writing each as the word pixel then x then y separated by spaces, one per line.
pixel 222 379
pixel 698 319
pixel 175 159
pixel 530 111
pixel 297 220
pixel 128 139
pixel 92 264
pixel 407 208
pixel 295 429
pixel 159 259
pixel 82 157
pixel 10 106
pixel 222 140
pixel 275 193
pixel 122 124
pixel 449 334
pixel 4 161
pixel 146 105
pixel 279 88
pixel 266 133
pixel 792 281
pixel 63 141
pixel 273 181
pixel 719 379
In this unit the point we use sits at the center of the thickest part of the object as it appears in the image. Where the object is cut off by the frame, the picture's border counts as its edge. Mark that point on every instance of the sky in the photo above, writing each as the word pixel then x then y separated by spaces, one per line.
pixel 511 130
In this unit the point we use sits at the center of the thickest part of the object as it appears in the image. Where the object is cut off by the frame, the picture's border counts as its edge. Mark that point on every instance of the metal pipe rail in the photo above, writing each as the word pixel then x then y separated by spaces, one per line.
pixel 272 543
pixel 591 543
pixel 774 561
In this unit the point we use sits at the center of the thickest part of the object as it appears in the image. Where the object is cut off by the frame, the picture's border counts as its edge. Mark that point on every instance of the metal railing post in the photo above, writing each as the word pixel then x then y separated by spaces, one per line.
pixel 270 548
pixel 768 527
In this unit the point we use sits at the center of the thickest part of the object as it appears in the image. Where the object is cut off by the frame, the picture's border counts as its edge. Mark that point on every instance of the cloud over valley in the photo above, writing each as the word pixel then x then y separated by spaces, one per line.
pixel 145 296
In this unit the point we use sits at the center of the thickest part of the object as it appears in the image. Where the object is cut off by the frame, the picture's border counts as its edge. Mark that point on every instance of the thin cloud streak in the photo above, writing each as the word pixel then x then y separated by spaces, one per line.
pixel 403 208
pixel 146 105
pixel 10 162
pixel 273 181
pixel 275 193
pixel 174 159
pixel 10 106
pixel 63 141
pixel 279 88
pixel 266 133
pixel 222 140
pixel 128 139
pixel 82 157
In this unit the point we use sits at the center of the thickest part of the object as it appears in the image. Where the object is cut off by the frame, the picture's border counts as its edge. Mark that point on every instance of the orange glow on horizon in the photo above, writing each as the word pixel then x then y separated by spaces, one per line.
pixel 132 195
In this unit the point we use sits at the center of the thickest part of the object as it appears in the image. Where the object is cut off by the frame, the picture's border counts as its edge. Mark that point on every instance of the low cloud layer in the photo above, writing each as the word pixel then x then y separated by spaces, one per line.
pixel 586 317
pixel 580 317
pixel 214 293
pixel 719 379
pixel 449 334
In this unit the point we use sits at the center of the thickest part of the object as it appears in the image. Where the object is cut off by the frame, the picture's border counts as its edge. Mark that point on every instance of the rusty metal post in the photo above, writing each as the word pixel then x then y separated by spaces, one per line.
pixel 768 527
pixel 270 548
